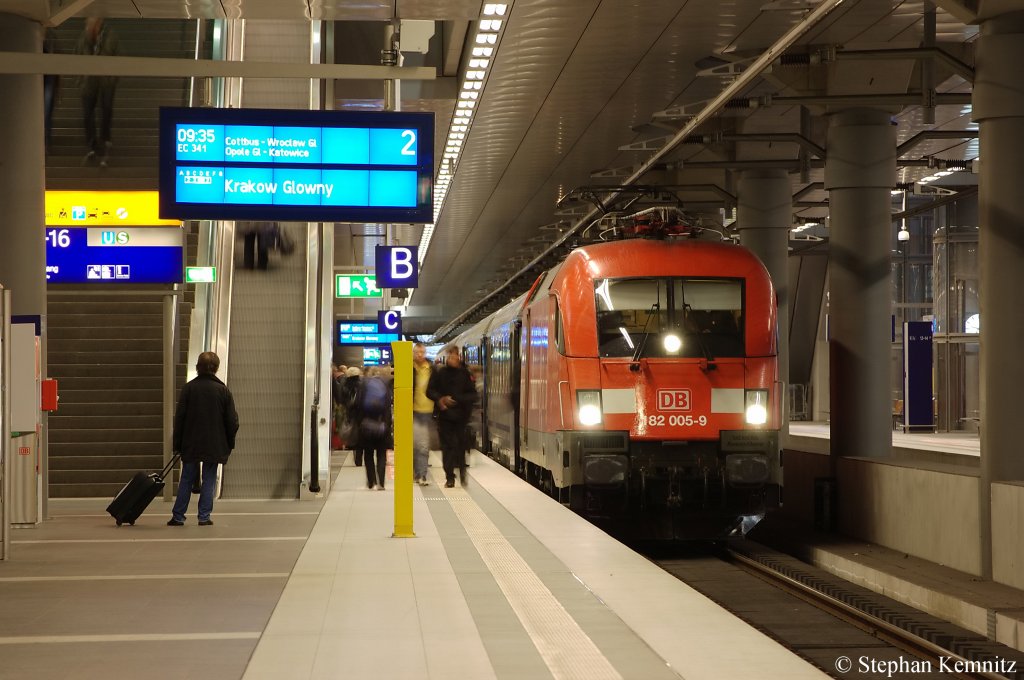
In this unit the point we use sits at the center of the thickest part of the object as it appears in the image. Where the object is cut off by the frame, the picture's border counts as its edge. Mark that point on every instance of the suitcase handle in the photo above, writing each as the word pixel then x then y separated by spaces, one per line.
pixel 170 465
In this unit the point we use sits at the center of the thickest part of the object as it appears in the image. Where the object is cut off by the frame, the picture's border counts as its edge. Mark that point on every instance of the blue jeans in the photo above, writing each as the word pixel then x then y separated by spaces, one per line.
pixel 188 476
pixel 421 424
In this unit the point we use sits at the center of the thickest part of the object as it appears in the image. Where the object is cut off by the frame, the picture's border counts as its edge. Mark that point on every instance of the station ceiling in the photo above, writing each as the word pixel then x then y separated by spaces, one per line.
pixel 585 93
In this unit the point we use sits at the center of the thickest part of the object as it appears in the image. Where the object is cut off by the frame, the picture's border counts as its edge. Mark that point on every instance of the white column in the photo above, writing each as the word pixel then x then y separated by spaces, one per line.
pixel 999 111
pixel 764 216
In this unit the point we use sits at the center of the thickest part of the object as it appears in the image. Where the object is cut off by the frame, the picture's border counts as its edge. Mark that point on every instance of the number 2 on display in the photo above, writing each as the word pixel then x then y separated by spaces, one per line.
pixel 408 149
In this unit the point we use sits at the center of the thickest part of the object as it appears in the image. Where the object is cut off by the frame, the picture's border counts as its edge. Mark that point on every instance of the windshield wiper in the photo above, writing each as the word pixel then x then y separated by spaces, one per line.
pixel 709 361
pixel 634 364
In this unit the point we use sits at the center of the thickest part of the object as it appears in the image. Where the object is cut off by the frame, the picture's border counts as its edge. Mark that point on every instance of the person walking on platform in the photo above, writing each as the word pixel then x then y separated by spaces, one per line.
pixel 98 91
pixel 374 403
pixel 337 379
pixel 346 394
pixel 451 388
pixel 205 424
pixel 422 413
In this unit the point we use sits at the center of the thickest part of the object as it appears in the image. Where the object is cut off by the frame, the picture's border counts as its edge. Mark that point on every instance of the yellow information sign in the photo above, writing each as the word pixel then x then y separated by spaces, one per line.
pixel 104 209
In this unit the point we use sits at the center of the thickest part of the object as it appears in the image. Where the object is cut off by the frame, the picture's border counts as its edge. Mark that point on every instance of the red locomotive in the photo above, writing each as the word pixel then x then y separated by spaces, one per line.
pixel 638 382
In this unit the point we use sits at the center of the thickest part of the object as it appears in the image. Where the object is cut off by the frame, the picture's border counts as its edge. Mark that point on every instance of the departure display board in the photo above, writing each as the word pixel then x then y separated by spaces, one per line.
pixel 376 356
pixel 284 165
pixel 363 333
pixel 111 255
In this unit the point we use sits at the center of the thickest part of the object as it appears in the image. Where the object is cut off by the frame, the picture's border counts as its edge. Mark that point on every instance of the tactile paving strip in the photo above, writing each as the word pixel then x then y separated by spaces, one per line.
pixel 568 652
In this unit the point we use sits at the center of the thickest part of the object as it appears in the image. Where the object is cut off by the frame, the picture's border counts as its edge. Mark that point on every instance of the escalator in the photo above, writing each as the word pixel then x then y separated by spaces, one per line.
pixel 266 373
pixel 273 311
pixel 110 420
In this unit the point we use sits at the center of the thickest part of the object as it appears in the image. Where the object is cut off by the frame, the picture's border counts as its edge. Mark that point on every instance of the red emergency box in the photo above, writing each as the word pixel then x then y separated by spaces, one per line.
pixel 49 395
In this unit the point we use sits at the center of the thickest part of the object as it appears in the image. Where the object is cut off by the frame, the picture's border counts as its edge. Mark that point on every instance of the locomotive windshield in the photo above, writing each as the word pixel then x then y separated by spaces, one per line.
pixel 670 317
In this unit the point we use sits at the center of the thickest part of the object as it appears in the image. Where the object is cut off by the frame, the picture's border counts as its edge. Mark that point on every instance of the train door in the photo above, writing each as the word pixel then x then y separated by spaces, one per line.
pixel 524 381
pixel 516 391
pixel 485 377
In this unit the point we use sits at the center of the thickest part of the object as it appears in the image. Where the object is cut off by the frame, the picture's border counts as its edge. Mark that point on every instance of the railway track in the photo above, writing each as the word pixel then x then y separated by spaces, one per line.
pixel 843 629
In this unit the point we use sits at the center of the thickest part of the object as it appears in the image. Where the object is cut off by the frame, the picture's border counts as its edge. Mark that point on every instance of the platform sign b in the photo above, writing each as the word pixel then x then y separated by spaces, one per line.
pixel 397 266
pixel 389 321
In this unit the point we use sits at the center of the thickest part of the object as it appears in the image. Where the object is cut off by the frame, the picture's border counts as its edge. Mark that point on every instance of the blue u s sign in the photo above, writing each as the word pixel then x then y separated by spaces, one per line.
pixel 389 321
pixel 397 266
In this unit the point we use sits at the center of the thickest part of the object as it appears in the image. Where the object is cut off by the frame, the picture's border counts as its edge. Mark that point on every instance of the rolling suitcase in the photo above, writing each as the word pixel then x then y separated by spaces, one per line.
pixel 137 494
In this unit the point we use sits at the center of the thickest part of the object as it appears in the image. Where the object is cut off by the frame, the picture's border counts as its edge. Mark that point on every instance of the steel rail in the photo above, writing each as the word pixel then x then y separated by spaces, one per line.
pixel 880 628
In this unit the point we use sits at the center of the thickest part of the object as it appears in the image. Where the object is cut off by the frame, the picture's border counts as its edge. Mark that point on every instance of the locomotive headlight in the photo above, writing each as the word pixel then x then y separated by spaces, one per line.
pixel 756 407
pixel 589 404
pixel 672 343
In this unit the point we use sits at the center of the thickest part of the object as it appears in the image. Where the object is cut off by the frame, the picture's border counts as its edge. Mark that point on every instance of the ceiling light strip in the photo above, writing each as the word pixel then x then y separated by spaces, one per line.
pixel 483 48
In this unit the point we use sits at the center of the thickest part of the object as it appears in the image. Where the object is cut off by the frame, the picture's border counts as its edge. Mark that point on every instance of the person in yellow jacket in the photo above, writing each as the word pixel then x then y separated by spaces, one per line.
pixel 422 413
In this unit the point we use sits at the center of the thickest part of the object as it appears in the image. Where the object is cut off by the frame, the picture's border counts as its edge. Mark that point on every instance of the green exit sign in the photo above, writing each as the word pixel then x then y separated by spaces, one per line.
pixel 356 286
pixel 200 274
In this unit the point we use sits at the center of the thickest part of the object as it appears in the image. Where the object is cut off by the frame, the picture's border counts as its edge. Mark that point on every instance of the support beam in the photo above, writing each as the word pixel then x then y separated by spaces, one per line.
pixel 155 67
pixel 934 134
pixel 964 10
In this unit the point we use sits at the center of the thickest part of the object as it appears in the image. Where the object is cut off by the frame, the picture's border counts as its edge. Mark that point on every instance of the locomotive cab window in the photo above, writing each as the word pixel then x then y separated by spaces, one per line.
pixel 559 329
pixel 670 317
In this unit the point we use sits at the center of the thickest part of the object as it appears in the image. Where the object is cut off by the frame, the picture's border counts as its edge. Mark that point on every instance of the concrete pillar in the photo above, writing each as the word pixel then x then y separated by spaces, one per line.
pixel 999 111
pixel 764 215
pixel 22 187
pixel 860 171
pixel 22 173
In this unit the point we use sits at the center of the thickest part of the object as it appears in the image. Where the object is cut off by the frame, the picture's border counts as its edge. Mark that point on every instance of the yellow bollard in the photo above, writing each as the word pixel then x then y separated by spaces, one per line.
pixel 401 353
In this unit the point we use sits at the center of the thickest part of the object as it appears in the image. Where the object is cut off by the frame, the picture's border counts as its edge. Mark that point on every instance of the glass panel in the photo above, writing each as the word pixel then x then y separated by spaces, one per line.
pixel 626 310
pixel 706 315
pixel 714 310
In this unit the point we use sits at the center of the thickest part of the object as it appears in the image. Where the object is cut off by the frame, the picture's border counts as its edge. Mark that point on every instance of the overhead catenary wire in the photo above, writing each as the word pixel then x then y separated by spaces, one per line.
pixel 736 87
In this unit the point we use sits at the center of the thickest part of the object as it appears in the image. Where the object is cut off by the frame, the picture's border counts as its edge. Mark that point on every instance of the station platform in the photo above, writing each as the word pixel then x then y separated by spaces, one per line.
pixel 966 444
pixel 499 582
pixel 989 609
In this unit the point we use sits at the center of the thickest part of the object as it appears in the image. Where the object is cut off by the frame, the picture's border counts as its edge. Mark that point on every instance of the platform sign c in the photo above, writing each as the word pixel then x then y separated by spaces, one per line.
pixel 397 266
pixel 389 321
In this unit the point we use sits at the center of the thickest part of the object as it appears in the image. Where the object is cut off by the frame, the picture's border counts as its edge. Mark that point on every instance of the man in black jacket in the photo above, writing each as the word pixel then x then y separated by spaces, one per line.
pixel 451 389
pixel 205 424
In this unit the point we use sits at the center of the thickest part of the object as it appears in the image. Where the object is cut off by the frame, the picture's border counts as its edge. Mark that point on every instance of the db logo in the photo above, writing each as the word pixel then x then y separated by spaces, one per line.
pixel 673 400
